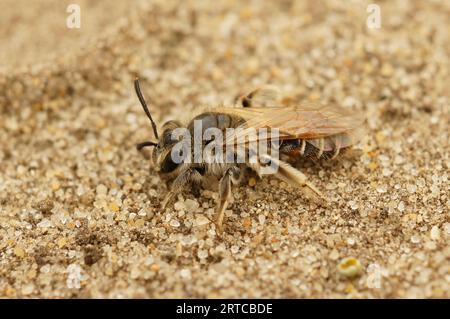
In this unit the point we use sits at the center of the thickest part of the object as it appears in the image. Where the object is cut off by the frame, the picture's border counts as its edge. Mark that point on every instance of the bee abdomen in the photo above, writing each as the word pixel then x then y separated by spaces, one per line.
pixel 328 147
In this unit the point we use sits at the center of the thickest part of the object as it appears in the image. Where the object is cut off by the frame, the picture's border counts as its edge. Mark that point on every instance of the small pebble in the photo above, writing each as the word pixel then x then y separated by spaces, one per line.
pixel 447 228
pixel 185 273
pixel 234 249
pixel 28 289
pixel 101 189
pixel 411 188
pixel 174 223
pixel 139 222
pixel 202 254
pixel 261 219
pixel 45 223
pixel 349 267
pixel 114 207
pixel 155 267
pixel 334 255
pixel 353 205
pixel 415 239
pixel 19 251
pixel 61 242
pixel 191 205
pixel 201 220
pixel 430 245
pixel 179 206
pixel 382 189
pixel 435 233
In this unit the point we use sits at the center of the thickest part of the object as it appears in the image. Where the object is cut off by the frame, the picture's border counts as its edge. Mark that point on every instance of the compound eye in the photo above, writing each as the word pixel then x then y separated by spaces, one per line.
pixel 168 165
pixel 168 138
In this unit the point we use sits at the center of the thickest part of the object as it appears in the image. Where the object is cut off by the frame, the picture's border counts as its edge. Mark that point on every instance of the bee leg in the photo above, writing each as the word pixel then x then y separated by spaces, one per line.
pixel 224 196
pixel 195 190
pixel 179 183
pixel 263 96
pixel 321 147
pixel 296 178
pixel 244 100
pixel 337 148
pixel 292 176
pixel 230 176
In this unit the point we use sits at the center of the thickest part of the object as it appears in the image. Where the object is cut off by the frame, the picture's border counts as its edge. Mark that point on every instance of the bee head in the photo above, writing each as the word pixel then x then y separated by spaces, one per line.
pixel 161 155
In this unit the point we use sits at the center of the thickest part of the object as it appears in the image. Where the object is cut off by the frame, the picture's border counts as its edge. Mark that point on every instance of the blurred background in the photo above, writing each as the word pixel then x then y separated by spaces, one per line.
pixel 79 214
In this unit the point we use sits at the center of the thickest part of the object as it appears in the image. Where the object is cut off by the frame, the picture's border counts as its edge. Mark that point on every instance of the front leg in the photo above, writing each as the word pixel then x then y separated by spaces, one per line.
pixel 180 182
pixel 231 176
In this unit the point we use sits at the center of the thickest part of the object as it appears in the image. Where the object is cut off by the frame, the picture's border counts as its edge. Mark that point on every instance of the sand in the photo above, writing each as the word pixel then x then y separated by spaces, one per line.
pixel 79 206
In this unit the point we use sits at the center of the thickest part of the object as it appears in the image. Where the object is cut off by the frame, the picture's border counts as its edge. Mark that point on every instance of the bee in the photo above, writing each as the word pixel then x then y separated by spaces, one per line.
pixel 303 131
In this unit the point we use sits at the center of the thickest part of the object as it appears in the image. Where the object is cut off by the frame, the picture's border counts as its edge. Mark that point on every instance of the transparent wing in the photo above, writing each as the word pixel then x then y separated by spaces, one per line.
pixel 307 122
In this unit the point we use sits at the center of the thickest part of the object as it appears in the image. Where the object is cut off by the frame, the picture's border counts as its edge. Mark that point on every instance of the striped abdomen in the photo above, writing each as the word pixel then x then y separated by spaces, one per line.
pixel 328 147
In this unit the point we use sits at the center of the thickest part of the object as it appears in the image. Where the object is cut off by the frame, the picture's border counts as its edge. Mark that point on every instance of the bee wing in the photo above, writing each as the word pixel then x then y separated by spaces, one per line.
pixel 307 122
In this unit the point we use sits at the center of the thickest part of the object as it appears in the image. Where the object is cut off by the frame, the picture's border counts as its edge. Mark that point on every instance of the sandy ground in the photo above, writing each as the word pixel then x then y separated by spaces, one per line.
pixel 79 206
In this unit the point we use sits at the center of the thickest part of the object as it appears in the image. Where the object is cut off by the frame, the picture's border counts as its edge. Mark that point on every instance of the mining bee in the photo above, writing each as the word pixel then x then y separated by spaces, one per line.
pixel 308 131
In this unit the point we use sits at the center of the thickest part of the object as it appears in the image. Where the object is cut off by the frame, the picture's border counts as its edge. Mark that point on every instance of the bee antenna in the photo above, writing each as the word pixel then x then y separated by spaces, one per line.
pixel 144 105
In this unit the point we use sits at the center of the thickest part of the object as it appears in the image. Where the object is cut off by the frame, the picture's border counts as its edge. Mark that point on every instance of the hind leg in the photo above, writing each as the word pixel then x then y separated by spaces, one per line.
pixel 292 176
